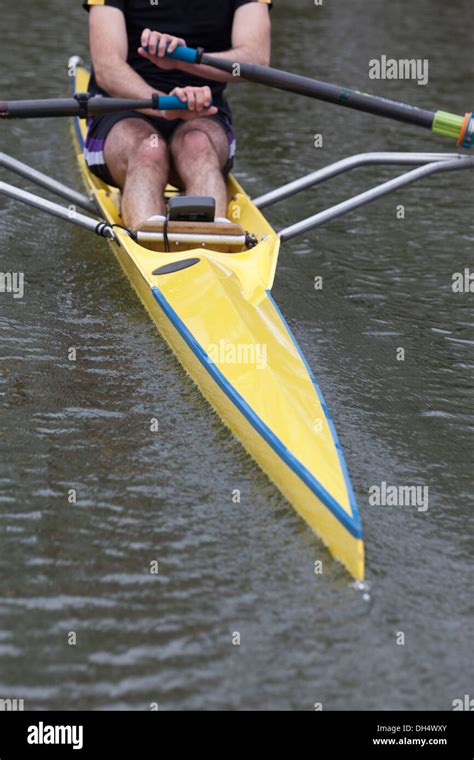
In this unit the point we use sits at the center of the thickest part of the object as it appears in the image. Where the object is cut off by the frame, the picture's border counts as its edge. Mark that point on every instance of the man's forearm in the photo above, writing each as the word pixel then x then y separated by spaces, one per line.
pixel 119 80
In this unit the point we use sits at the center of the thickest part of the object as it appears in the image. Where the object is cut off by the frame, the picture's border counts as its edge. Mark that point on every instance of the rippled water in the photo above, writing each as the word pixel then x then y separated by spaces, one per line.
pixel 166 496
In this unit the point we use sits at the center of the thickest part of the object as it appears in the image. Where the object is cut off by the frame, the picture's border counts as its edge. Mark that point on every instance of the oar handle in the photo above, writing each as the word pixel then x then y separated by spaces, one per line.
pixel 184 54
pixel 171 103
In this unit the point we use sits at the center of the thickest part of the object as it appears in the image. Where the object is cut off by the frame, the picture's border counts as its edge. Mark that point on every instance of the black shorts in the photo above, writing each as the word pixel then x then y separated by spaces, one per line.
pixel 99 128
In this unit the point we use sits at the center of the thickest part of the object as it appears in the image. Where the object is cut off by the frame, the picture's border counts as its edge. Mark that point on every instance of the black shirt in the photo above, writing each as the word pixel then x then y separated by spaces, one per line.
pixel 201 23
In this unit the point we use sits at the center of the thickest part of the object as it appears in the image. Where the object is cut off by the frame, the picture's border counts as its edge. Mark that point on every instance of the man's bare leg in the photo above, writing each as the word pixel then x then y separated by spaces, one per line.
pixel 200 151
pixel 138 160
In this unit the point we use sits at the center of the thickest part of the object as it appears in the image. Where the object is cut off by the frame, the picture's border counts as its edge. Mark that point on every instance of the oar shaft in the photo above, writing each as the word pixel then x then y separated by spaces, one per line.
pixel 92 106
pixel 440 122
pixel 329 93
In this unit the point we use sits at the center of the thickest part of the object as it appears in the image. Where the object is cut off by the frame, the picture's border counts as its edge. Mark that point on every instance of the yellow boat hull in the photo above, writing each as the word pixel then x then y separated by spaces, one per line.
pixel 216 313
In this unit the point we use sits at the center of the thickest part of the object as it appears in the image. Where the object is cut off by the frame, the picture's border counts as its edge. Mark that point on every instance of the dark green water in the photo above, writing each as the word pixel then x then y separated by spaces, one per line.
pixel 167 496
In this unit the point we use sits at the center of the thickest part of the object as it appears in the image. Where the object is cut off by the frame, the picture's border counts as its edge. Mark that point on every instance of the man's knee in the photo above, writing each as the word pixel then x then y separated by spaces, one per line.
pixel 193 145
pixel 133 142
pixel 150 151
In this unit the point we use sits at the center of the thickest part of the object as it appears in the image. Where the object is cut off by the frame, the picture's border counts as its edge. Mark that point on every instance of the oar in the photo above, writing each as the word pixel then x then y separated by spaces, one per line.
pixel 459 128
pixel 83 105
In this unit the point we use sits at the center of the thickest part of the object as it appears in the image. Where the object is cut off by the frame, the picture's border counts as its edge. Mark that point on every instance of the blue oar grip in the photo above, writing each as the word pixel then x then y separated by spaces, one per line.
pixel 171 103
pixel 185 54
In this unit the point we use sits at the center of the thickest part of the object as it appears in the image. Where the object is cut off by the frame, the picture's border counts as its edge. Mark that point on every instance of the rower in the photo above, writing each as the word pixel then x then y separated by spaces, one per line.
pixel 193 150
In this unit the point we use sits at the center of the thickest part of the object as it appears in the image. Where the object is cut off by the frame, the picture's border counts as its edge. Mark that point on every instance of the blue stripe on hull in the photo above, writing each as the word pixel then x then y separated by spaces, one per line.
pixel 353 525
pixel 335 437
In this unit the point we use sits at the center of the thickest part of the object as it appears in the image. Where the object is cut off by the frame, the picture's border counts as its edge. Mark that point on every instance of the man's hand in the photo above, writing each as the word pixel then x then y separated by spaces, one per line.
pixel 199 101
pixel 156 45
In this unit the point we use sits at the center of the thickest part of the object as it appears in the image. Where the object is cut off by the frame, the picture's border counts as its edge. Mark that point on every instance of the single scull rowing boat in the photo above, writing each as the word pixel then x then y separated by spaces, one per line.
pixel 207 287
pixel 216 312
